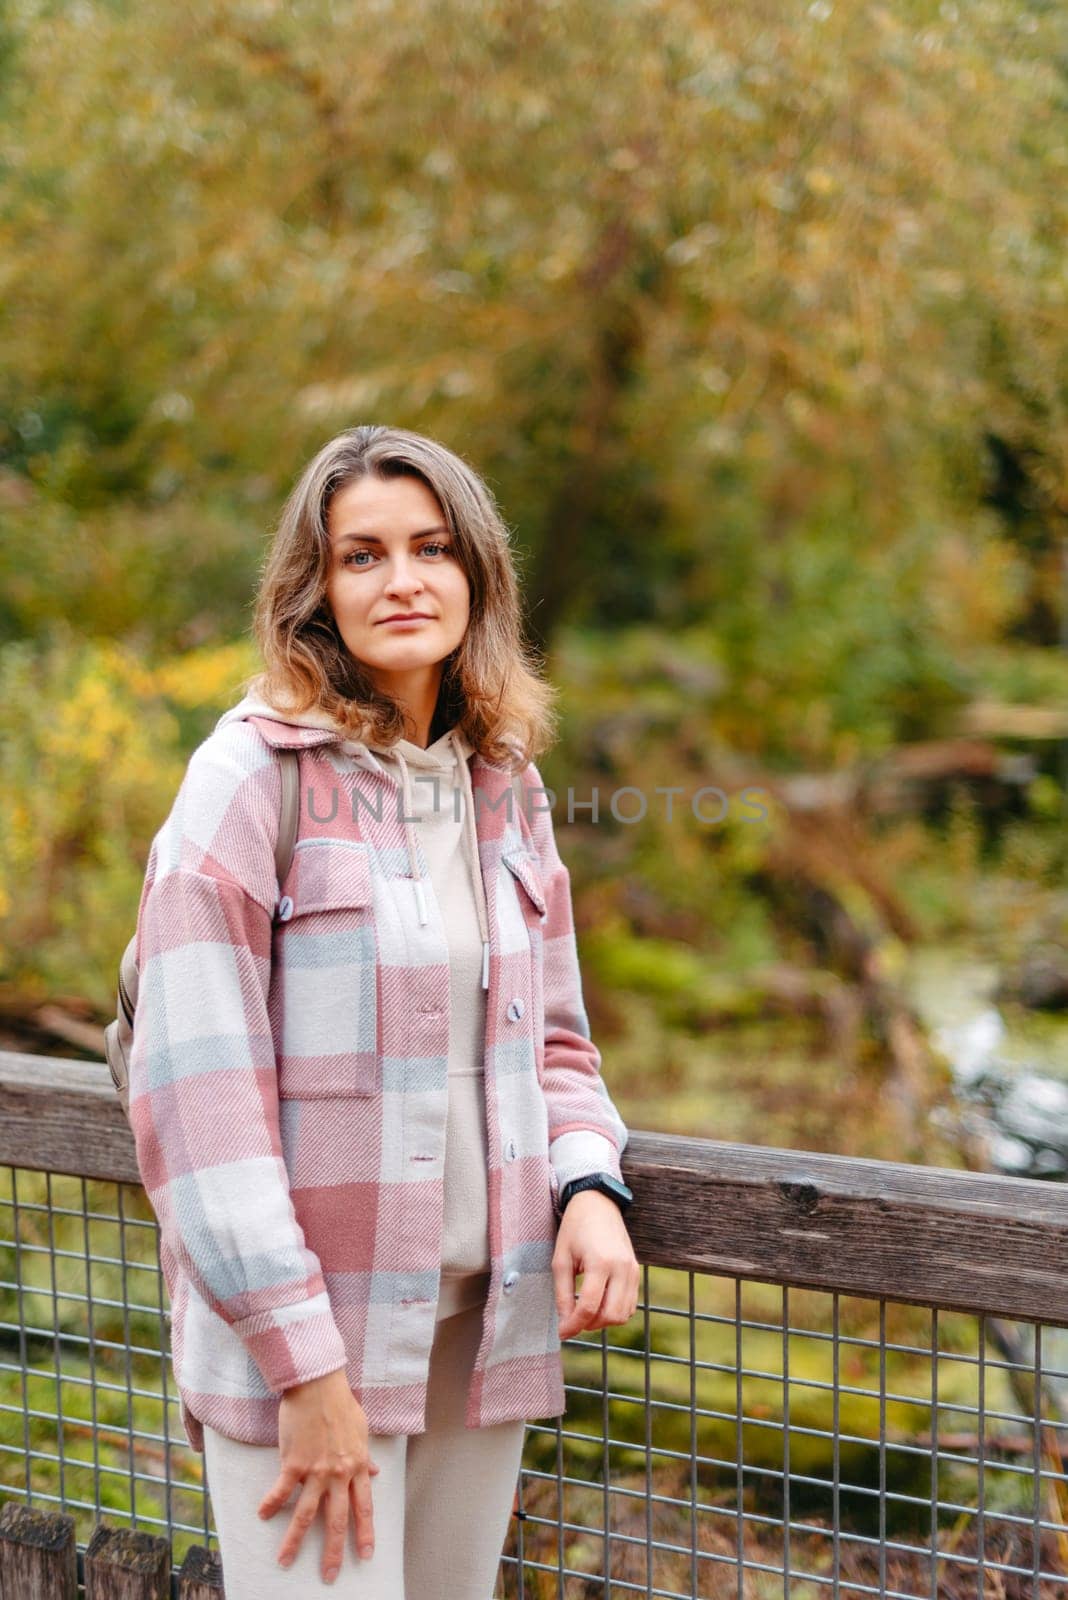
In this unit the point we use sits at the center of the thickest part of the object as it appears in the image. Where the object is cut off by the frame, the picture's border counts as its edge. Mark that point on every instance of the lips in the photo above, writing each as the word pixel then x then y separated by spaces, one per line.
pixel 409 616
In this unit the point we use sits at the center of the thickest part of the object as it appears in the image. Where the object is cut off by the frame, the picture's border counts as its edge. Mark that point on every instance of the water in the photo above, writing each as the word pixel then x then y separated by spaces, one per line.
pixel 1011 1083
pixel 1011 1080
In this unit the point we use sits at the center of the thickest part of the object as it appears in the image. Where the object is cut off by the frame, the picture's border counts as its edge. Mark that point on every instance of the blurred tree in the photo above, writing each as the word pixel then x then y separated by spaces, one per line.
pixel 740 309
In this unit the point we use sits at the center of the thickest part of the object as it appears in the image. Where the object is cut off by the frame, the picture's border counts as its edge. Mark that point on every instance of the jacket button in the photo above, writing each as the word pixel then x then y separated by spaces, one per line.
pixel 515 1009
pixel 510 1281
pixel 511 1150
pixel 285 908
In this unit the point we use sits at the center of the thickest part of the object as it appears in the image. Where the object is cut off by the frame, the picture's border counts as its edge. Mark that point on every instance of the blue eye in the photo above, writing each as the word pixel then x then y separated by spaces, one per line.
pixel 432 544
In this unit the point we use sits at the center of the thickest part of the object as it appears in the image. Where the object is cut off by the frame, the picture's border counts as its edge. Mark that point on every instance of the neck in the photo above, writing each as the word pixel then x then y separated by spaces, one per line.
pixel 417 695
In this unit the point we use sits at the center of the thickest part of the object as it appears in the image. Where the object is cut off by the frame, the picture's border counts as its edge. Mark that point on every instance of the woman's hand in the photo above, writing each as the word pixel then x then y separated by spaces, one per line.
pixel 323 1442
pixel 593 1239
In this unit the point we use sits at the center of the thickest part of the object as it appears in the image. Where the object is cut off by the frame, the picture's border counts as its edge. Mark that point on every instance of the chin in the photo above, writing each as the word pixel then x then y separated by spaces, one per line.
pixel 404 660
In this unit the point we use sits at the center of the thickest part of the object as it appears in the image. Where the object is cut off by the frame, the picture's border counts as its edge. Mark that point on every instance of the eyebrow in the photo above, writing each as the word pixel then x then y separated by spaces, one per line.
pixel 372 538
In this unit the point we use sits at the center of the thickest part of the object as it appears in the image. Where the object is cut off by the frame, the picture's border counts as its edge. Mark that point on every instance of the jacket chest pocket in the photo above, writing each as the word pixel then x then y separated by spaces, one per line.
pixel 324 980
pixel 529 887
pixel 525 1007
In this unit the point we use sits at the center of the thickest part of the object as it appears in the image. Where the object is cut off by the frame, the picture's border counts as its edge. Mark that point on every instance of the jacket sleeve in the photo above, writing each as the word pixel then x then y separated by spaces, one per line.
pixel 203 1084
pixel 586 1132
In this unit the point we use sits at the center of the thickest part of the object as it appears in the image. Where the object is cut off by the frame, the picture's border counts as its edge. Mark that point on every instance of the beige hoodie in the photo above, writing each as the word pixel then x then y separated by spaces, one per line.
pixel 435 785
pixel 437 796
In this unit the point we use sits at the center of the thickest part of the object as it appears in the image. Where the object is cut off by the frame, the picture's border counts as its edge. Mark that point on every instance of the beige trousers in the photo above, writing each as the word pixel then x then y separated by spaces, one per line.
pixel 442 1499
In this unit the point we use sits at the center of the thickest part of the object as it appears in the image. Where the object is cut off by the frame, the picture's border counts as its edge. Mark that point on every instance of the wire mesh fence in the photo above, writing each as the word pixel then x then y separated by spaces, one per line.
pixel 767 1441
pixel 734 1436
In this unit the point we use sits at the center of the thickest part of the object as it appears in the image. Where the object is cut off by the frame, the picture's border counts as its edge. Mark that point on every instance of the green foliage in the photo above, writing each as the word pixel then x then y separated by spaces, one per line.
pixel 161 578
pixel 92 749
pixel 749 314
pixel 1023 675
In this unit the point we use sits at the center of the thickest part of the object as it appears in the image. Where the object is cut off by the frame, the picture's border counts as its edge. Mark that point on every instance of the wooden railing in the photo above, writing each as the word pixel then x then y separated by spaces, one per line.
pixel 989 1246
pixel 930 1235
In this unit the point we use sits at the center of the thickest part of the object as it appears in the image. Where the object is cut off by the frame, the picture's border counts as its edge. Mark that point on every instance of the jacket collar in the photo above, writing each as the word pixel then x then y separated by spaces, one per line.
pixel 306 730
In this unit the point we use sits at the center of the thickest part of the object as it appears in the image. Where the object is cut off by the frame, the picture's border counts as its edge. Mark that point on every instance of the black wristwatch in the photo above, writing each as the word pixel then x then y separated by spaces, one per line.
pixel 604 1181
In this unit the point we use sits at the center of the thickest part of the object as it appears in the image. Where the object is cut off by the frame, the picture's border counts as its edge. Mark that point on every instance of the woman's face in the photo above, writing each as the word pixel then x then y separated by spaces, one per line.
pixel 391 552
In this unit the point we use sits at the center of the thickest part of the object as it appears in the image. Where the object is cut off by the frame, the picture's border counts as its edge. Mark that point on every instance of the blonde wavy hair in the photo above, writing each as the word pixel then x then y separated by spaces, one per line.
pixel 491 683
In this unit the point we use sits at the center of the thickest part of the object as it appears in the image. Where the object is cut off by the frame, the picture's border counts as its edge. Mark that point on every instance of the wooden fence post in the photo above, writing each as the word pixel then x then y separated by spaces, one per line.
pixel 123 1565
pixel 201 1577
pixel 38 1554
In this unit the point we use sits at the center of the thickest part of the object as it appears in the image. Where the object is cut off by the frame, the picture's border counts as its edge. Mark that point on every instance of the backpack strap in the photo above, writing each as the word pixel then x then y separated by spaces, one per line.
pixel 289 814
pixel 118 1035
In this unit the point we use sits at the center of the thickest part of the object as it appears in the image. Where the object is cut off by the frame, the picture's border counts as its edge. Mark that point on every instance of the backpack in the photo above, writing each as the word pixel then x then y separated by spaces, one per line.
pixel 118 1035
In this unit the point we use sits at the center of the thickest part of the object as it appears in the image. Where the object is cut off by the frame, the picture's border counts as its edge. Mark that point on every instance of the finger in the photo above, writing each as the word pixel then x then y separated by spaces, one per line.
pixel 301 1520
pixel 337 1526
pixel 618 1302
pixel 566 1319
pixel 622 1297
pixel 632 1293
pixel 600 1315
pixel 363 1513
pixel 611 1308
pixel 563 1270
pixel 585 1307
pixel 279 1492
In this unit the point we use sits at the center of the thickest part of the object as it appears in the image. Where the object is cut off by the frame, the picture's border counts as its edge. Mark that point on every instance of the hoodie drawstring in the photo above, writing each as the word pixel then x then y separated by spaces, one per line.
pixel 413 855
pixel 471 834
pixel 469 842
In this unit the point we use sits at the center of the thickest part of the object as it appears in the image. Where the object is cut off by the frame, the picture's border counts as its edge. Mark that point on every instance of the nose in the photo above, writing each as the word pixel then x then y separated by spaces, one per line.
pixel 403 577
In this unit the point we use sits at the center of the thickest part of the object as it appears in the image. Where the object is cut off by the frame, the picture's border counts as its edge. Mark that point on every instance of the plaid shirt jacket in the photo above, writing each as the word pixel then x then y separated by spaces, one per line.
pixel 288 1087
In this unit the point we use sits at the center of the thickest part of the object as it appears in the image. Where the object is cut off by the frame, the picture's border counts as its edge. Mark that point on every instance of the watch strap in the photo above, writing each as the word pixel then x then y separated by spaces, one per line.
pixel 603 1181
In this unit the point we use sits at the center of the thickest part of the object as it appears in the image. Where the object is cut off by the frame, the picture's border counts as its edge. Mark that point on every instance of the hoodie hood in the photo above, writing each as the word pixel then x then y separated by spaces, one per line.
pixel 447 761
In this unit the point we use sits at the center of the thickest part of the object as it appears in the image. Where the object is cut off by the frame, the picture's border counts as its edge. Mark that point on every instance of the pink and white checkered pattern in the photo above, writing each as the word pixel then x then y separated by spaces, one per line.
pixel 288 1088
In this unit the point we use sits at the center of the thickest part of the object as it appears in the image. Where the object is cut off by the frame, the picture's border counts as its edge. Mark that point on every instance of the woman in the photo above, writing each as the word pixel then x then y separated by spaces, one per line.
pixel 367 1108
